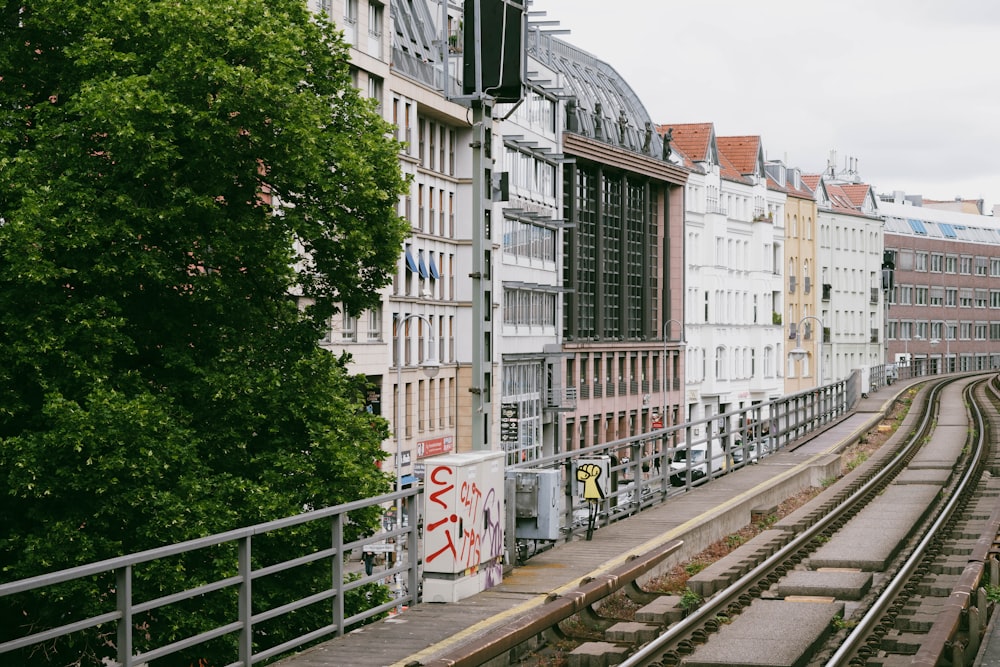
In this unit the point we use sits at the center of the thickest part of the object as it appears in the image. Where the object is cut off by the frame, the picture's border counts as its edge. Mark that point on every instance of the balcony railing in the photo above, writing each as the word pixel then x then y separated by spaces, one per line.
pixel 561 398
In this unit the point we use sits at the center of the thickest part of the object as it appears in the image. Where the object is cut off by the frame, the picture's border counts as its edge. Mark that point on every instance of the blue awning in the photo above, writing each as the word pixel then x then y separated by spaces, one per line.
pixel 411 263
pixel 423 267
pixel 434 269
pixel 408 479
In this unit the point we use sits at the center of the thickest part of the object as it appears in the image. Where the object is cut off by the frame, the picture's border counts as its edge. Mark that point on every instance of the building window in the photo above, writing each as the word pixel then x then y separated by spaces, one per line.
pixel 348 328
pixel 529 308
pixel 350 25
pixel 375 324
pixel 522 393
pixel 529 241
pixel 375 91
pixel 374 19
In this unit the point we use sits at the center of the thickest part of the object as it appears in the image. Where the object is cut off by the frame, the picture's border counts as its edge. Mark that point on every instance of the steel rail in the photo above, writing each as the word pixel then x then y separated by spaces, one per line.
pixel 874 614
pixel 651 653
pixel 554 610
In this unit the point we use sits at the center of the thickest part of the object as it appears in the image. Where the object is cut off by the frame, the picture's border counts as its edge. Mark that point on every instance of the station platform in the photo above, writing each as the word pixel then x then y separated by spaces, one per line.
pixel 700 517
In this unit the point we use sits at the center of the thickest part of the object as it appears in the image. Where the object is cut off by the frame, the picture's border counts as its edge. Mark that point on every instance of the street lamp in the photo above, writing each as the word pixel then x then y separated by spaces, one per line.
pixel 430 365
pixel 799 352
pixel 666 339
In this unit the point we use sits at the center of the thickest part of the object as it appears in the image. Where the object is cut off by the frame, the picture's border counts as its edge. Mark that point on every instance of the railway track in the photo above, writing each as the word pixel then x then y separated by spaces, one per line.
pixel 895 563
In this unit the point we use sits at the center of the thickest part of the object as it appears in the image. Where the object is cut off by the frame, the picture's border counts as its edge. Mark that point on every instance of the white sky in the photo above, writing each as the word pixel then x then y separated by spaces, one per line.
pixel 910 88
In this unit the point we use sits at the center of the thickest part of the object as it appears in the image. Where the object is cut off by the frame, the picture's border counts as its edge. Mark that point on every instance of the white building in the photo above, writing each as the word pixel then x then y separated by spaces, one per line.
pixel 850 269
pixel 734 273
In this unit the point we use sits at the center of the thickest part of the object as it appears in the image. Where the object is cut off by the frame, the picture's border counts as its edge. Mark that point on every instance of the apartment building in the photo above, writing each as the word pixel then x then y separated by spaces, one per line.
pixel 801 316
pixel 734 235
pixel 528 329
pixel 409 347
pixel 622 257
pixel 641 275
pixel 944 306
pixel 849 269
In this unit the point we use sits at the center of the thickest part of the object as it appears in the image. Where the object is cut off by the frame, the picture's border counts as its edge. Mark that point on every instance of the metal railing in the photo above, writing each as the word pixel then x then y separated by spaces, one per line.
pixel 646 468
pixel 643 469
pixel 113 580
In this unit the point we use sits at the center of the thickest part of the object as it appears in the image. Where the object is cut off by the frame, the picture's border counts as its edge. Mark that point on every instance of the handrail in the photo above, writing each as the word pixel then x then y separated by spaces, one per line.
pixel 247 614
pixel 790 417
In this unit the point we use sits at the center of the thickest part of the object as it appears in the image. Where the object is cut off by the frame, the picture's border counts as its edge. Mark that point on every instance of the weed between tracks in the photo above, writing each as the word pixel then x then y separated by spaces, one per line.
pixel 620 607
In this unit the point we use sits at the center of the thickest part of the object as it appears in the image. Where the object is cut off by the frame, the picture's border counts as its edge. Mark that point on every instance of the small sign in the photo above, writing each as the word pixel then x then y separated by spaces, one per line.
pixel 509 422
pixel 435 447
pixel 379 548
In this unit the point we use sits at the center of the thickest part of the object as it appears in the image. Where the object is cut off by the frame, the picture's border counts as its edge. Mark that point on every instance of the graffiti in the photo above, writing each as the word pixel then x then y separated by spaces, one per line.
pixel 493 539
pixel 589 474
pixel 464 529
pixel 440 538
pixel 445 487
pixel 449 543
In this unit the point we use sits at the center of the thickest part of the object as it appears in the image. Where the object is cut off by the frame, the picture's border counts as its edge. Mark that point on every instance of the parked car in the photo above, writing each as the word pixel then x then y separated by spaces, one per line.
pixel 695 459
pixel 753 451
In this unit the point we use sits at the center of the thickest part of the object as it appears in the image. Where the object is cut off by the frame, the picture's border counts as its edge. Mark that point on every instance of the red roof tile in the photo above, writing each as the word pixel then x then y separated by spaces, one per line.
pixel 856 193
pixel 741 151
pixel 692 139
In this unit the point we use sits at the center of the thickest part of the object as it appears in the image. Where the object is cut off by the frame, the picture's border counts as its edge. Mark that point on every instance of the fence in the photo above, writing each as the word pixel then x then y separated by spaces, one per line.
pixel 234 551
pixel 643 469
pixel 646 468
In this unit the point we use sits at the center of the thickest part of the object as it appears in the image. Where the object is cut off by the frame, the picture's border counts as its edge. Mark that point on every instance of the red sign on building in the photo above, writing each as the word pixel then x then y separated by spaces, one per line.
pixel 435 447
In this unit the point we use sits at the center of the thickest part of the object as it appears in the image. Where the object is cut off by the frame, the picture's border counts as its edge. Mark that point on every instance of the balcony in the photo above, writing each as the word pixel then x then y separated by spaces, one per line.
pixel 561 399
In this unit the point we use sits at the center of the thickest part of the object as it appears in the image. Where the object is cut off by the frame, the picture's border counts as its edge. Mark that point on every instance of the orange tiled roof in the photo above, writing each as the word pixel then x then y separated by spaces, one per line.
pixel 730 171
pixel 811 181
pixel 692 139
pixel 741 151
pixel 856 193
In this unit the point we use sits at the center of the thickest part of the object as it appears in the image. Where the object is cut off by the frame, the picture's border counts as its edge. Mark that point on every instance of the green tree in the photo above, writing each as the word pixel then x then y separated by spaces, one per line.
pixel 170 172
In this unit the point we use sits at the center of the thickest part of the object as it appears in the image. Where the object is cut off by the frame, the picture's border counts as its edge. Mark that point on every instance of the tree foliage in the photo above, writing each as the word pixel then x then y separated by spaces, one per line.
pixel 169 173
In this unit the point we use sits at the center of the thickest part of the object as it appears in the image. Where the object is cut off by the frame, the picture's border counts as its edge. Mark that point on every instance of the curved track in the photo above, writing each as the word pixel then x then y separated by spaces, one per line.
pixel 888 565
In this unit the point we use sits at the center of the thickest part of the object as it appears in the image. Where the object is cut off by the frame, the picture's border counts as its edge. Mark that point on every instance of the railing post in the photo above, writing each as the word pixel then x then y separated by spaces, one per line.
pixel 245 602
pixel 412 575
pixel 337 539
pixel 123 600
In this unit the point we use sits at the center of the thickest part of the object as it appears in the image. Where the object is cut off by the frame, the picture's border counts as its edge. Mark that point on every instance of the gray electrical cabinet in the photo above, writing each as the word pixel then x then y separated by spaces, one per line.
pixel 538 503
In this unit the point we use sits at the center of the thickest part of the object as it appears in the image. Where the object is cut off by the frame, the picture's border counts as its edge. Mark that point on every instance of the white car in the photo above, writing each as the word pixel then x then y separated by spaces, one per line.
pixel 695 459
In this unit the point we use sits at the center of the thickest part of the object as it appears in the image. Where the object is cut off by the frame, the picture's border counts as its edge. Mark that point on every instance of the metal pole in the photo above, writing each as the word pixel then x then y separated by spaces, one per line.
pixel 401 321
pixel 400 328
pixel 666 337
pixel 482 278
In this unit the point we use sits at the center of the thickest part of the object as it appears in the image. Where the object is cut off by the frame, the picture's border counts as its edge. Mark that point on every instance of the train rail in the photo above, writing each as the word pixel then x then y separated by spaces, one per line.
pixel 890 564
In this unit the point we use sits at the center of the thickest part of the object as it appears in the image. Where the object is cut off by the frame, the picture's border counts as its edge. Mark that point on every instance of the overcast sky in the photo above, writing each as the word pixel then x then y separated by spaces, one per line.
pixel 910 88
